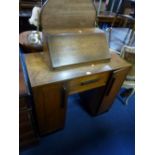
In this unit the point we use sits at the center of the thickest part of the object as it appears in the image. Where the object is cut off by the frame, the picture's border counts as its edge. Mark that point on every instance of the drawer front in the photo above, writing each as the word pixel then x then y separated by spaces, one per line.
pixel 87 83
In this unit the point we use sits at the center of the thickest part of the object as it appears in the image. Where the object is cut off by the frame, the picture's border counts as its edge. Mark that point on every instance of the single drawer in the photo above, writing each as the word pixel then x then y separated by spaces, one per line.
pixel 88 82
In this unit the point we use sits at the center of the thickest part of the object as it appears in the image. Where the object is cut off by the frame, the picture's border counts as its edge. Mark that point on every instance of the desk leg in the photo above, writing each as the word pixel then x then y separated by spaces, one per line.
pixel 50 107
pixel 90 100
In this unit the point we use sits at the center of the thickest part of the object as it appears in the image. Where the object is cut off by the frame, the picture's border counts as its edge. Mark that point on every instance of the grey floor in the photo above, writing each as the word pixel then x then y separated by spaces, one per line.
pixel 119 38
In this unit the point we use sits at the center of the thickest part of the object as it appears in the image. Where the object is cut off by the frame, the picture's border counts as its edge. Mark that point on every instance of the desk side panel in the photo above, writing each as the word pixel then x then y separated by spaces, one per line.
pixel 112 88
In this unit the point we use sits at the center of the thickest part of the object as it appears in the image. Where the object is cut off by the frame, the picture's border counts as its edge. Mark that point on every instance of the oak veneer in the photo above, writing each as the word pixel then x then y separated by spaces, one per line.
pixel 77 48
pixel 51 87
pixel 40 73
pixel 27 135
pixel 68 46
pixel 50 106
pixel 113 86
pixel 68 14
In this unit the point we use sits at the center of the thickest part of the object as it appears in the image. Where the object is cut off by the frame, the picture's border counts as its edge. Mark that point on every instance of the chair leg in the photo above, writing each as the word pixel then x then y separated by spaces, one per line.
pixel 131 39
pixel 121 99
pixel 132 35
pixel 99 7
pixel 124 94
pixel 109 32
pixel 127 99
pixel 128 33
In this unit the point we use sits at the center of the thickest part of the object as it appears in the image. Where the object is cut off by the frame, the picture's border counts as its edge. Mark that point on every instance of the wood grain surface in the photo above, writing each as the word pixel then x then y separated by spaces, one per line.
pixel 72 30
pixel 87 83
pixel 114 86
pixel 50 105
pixel 76 48
pixel 23 89
pixel 68 14
pixel 74 40
pixel 40 72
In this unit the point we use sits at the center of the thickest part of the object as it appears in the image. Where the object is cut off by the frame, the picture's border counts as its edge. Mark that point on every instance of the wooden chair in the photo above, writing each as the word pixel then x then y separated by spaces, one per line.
pixel 126 21
pixel 128 53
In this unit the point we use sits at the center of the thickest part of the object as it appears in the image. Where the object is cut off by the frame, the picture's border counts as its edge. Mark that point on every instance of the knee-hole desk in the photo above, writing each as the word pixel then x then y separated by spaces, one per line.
pixel 97 84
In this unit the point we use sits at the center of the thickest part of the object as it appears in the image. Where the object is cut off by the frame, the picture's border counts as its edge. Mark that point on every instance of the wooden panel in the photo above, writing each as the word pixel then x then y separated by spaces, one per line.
pixel 91 99
pixel 57 14
pixel 40 73
pixel 76 48
pixel 112 89
pixel 23 90
pixel 26 125
pixel 130 57
pixel 87 83
pixel 27 139
pixel 73 30
pixel 24 102
pixel 24 115
pixel 27 135
pixel 50 107
pixel 24 94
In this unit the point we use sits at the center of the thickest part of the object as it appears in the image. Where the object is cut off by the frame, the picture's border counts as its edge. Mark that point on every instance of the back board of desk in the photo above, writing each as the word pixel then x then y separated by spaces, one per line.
pixel 68 14
pixel 67 46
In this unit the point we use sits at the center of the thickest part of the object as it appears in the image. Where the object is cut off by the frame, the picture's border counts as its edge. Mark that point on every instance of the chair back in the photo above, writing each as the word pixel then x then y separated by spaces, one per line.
pixel 128 53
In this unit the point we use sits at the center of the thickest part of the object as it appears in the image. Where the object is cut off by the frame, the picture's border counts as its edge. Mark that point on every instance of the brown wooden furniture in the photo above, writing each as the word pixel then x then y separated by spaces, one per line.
pixel 28 4
pixel 126 10
pixel 68 14
pixel 25 45
pixel 128 54
pixel 108 19
pixel 73 40
pixel 77 48
pixel 51 87
pixel 27 133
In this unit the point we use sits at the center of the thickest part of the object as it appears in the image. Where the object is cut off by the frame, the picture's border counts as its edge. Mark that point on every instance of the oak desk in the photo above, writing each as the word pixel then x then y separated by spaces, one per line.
pixel 50 88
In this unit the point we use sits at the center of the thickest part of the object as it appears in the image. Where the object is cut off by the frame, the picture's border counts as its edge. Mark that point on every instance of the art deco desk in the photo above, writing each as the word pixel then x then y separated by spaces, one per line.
pixel 97 83
pixel 75 59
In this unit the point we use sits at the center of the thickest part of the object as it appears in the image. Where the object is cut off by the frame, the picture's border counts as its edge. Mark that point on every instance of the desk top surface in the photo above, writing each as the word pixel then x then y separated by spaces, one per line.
pixel 40 72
